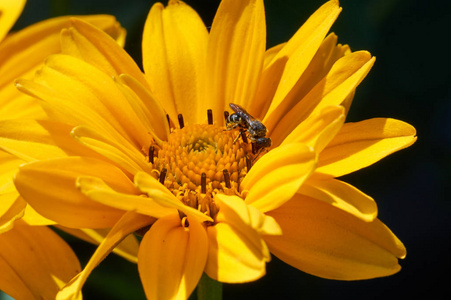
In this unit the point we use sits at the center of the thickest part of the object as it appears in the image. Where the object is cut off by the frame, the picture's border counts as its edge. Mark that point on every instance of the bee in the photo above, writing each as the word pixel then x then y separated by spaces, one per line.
pixel 242 119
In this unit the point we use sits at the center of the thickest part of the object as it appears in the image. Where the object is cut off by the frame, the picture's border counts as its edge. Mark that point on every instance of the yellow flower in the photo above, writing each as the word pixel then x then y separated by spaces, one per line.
pixel 35 262
pixel 206 198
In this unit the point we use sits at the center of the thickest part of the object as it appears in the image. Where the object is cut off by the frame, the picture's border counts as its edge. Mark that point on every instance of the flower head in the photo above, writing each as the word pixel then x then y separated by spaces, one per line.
pixel 152 150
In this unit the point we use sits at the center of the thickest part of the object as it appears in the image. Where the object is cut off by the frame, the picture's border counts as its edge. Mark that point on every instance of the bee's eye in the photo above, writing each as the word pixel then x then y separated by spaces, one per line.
pixel 234 118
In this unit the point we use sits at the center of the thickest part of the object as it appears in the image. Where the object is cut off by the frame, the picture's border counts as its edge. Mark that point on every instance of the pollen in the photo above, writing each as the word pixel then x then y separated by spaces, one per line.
pixel 201 160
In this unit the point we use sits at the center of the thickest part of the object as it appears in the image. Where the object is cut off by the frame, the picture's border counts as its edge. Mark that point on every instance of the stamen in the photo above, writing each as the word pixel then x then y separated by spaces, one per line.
pixel 210 116
pixel 163 175
pixel 151 153
pixel 203 183
pixel 181 123
pixel 185 222
pixel 227 178
pixel 169 121
pixel 226 115
pixel 254 149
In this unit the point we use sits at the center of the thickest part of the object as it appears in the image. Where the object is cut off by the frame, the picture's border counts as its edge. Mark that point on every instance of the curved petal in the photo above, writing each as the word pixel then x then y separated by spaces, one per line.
pixel 235 55
pixel 172 258
pixel 148 109
pixel 34 43
pixel 13 209
pixel 94 46
pixel 327 242
pixel 234 256
pixel 317 130
pixel 333 89
pixel 128 224
pixel 76 93
pixel 174 47
pixel 358 145
pixel 122 154
pixel 161 195
pixel 341 195
pixel 128 248
pixel 235 211
pixel 35 262
pixel 33 140
pixel 9 13
pixel 33 218
pixel 96 190
pixel 276 177
pixel 298 52
pixel 49 187
pixel 23 52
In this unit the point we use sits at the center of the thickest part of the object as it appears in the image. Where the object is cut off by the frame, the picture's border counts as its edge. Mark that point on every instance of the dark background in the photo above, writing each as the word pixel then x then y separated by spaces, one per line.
pixel 410 81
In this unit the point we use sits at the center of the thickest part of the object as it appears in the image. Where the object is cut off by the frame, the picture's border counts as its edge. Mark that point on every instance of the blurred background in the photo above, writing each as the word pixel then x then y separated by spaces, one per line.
pixel 410 81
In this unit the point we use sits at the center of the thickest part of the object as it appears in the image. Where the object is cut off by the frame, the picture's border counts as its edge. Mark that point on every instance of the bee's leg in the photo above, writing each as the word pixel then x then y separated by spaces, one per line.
pixel 238 136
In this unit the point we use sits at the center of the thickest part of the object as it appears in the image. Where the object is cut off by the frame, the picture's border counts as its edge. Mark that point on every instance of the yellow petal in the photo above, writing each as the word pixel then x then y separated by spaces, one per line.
pixel 327 242
pixel 317 130
pixel 23 52
pixel 301 48
pixel 89 43
pixel 128 224
pixel 174 47
pixel 33 218
pixel 76 93
pixel 326 56
pixel 161 195
pixel 34 43
pixel 11 205
pixel 35 262
pixel 172 258
pixel 276 177
pixel 9 13
pixel 128 248
pixel 361 144
pixel 233 256
pixel 12 209
pixel 122 153
pixel 333 89
pixel 98 191
pixel 341 195
pixel 245 217
pixel 37 140
pixel 49 186
pixel 148 109
pixel 235 55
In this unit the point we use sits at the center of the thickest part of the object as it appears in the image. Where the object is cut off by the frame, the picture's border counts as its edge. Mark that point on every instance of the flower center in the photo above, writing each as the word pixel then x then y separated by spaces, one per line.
pixel 201 160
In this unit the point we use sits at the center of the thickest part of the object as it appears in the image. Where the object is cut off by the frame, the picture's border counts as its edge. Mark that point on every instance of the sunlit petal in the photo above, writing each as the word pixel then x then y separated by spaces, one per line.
pixel 341 195
pixel 98 191
pixel 36 140
pixel 333 89
pixel 35 262
pixel 236 49
pixel 234 256
pixel 327 242
pixel 174 47
pixel 358 145
pixel 318 130
pixel 172 258
pixel 9 13
pixel 277 176
pixel 49 186
pixel 298 52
